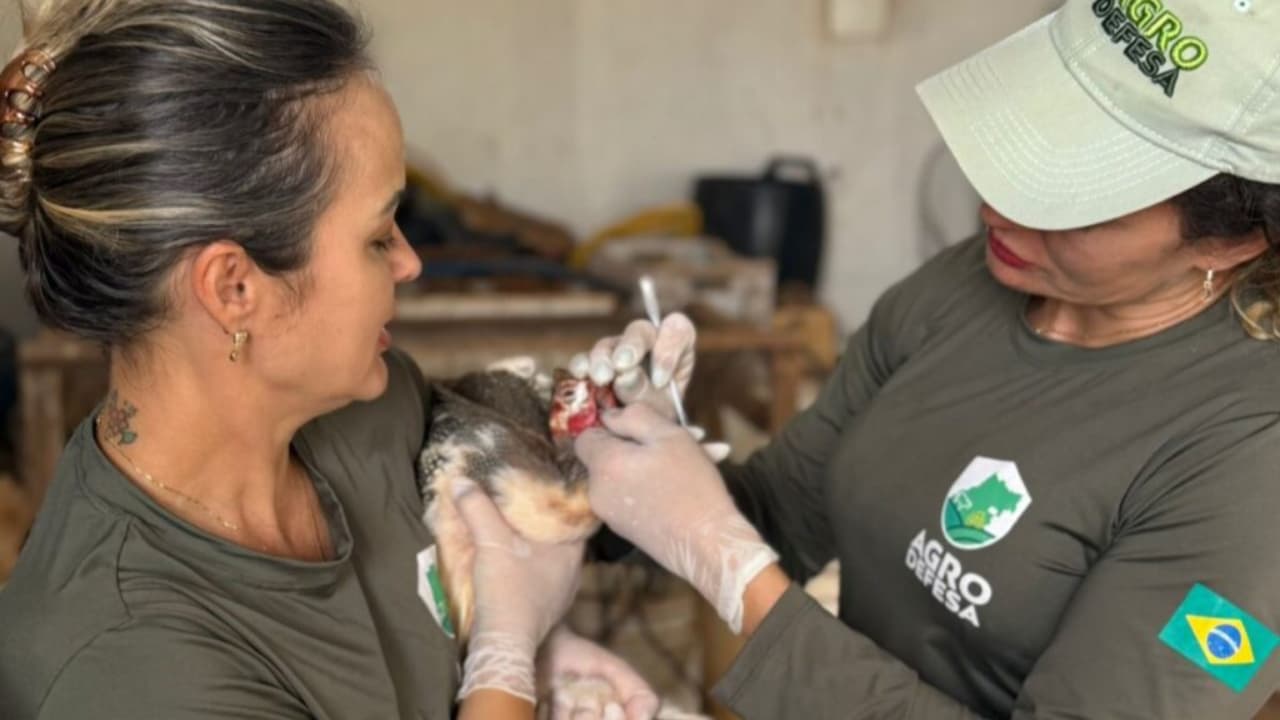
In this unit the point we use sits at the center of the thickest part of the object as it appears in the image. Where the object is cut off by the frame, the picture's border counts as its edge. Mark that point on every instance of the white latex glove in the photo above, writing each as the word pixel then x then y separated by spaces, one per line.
pixel 579 680
pixel 654 485
pixel 522 589
pixel 620 359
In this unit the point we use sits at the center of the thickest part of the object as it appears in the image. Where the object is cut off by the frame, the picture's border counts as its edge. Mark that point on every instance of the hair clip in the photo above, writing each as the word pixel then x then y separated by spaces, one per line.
pixel 25 75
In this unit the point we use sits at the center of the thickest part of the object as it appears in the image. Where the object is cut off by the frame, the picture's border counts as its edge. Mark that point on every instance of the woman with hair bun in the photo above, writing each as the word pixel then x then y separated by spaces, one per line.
pixel 207 188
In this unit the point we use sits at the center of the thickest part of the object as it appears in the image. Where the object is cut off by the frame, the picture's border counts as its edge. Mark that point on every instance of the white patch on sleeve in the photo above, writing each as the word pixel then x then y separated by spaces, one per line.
pixel 431 590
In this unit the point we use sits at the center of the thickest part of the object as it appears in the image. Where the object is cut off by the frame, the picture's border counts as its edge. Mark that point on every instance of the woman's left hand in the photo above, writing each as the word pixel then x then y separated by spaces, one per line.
pixel 522 589
pixel 578 679
pixel 619 360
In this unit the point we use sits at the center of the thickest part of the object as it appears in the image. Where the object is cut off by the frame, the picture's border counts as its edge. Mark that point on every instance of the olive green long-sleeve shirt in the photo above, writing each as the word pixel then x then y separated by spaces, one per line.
pixel 1025 529
pixel 119 609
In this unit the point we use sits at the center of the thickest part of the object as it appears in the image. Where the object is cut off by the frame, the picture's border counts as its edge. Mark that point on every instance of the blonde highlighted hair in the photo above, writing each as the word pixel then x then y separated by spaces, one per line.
pixel 1233 209
pixel 168 124
pixel 1256 297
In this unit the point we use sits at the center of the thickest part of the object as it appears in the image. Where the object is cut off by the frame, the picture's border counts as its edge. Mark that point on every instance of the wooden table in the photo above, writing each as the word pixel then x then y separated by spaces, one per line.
pixel 445 349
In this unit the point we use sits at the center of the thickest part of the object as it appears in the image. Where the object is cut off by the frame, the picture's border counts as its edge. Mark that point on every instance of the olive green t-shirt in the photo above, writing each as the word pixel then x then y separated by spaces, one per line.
pixel 1025 528
pixel 119 609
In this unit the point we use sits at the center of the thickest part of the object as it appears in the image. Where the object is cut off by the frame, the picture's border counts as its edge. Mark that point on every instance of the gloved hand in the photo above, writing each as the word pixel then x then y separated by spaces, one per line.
pixel 653 485
pixel 578 679
pixel 522 589
pixel 620 359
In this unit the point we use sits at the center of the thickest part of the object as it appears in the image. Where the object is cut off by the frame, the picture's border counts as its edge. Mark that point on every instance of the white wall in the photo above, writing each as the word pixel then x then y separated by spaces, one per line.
pixel 587 110
pixel 15 315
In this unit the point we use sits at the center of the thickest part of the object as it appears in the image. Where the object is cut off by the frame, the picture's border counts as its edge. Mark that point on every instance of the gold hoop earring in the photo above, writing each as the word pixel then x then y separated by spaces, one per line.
pixel 1208 285
pixel 238 339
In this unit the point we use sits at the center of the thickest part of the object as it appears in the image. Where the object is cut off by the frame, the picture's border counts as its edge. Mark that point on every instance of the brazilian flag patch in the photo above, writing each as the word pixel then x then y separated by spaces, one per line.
pixel 1220 638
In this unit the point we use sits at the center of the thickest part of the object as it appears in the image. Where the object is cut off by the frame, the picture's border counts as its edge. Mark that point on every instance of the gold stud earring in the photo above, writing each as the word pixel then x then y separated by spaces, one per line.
pixel 1208 285
pixel 238 340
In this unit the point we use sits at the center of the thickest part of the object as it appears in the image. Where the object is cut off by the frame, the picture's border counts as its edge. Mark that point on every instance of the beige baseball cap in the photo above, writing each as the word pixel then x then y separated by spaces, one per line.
pixel 1106 107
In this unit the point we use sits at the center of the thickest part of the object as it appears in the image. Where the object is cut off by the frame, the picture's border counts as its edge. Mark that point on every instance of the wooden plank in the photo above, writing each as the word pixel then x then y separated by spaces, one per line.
pixel 43 423
pixel 504 306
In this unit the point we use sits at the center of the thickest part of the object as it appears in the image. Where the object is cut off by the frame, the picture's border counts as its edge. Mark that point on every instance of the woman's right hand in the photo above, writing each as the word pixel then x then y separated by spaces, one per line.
pixel 522 589
pixel 655 487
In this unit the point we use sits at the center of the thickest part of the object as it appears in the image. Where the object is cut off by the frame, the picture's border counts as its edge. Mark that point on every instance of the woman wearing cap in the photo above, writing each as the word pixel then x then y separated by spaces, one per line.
pixel 1048 460
pixel 207 187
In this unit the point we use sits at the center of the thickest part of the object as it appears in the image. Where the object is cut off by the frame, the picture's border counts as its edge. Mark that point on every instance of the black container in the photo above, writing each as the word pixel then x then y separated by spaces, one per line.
pixel 780 214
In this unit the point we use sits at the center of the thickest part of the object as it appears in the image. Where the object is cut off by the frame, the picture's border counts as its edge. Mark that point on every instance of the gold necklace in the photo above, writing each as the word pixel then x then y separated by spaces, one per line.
pixel 233 527
pixel 1125 335
pixel 167 488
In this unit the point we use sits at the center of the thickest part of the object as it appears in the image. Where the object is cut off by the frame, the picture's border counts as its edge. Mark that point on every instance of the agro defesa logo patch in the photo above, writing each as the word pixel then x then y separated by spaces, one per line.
pixel 1154 39
pixel 984 503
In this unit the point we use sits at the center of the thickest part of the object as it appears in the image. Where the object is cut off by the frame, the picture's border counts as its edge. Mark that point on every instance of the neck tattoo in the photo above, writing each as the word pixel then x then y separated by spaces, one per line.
pixel 113 424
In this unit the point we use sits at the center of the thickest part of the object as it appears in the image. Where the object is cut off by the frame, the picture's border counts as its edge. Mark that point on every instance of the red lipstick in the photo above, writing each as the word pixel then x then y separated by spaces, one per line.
pixel 1004 254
